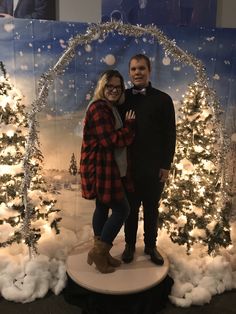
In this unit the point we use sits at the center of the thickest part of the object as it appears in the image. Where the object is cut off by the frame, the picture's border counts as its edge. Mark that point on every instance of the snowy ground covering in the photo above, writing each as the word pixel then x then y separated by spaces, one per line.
pixel 197 276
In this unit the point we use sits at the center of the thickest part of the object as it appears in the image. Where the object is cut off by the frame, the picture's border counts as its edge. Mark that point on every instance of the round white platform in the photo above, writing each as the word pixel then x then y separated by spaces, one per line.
pixel 137 276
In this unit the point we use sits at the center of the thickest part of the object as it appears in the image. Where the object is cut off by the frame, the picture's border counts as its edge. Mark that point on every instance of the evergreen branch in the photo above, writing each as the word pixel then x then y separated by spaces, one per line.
pixel 2 67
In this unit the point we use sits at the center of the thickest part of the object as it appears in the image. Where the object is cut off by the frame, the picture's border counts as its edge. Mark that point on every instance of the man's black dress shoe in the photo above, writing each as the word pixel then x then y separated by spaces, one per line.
pixel 155 255
pixel 128 254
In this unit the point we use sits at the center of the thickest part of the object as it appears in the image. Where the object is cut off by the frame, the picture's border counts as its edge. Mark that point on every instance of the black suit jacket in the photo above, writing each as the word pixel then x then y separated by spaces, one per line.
pixel 155 132
pixel 29 9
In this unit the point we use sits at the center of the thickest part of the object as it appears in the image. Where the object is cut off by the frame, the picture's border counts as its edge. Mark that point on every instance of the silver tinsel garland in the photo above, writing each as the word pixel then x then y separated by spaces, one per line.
pixel 94 32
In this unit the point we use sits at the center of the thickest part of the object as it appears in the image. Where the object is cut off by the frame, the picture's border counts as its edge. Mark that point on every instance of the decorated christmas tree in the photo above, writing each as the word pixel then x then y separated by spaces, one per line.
pixel 23 218
pixel 195 208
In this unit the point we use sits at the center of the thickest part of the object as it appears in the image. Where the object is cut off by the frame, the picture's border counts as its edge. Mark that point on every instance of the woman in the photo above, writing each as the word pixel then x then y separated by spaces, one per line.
pixel 103 166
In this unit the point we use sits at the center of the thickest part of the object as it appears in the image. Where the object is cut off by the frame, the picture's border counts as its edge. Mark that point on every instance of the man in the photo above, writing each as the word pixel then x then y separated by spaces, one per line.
pixel 140 13
pixel 151 154
pixel 28 9
pixel 147 12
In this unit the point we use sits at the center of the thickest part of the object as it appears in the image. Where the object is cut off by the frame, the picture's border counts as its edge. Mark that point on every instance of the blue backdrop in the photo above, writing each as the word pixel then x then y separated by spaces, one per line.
pixel 29 48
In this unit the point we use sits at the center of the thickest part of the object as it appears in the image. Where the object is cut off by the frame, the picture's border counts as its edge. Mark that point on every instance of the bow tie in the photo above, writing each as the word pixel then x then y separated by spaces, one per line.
pixel 139 91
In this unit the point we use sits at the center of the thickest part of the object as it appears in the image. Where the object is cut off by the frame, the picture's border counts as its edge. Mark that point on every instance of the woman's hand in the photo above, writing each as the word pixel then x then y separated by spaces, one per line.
pixel 130 115
pixel 163 175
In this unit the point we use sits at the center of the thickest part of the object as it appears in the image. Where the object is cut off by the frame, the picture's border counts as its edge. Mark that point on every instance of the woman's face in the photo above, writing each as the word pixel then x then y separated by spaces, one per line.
pixel 113 90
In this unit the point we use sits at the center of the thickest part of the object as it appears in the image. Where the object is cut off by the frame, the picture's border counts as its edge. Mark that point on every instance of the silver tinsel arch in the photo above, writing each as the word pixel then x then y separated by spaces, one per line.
pixel 93 33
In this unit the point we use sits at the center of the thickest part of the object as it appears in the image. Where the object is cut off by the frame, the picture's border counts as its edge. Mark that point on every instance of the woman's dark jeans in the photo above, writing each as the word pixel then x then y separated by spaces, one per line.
pixel 105 226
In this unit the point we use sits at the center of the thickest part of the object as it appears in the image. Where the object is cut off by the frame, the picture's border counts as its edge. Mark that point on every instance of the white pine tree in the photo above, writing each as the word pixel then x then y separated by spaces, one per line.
pixel 195 207
pixel 41 214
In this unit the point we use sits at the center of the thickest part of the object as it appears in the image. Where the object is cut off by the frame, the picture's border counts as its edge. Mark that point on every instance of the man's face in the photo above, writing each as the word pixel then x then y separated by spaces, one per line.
pixel 139 73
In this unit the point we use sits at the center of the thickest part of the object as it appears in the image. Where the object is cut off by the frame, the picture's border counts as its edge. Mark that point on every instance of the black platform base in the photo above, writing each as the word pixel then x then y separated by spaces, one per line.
pixel 150 301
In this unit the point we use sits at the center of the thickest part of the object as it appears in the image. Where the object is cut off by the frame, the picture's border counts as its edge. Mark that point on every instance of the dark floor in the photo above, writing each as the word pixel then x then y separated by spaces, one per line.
pixel 51 304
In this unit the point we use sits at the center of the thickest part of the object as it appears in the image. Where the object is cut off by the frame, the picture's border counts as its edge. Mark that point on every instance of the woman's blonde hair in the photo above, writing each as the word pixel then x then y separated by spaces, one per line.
pixel 103 81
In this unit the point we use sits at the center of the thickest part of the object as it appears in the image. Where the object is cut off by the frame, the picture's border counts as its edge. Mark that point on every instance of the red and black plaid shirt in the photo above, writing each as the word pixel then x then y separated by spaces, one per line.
pixel 100 177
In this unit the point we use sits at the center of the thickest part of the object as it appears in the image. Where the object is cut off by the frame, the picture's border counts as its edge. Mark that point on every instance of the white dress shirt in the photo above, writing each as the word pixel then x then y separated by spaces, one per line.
pixel 15 2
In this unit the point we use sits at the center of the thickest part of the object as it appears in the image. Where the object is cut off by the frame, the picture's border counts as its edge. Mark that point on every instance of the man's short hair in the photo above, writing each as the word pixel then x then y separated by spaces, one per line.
pixel 139 57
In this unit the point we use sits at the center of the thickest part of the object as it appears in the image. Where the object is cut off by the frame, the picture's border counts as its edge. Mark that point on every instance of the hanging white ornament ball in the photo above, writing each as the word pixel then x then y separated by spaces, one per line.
pixel 8 27
pixel 109 59
pixel 166 61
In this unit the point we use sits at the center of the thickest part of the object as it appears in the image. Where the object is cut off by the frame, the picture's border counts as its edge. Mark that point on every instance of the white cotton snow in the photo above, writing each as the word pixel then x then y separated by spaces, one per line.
pixel 6 211
pixel 12 170
pixel 198 233
pixel 199 276
pixel 57 246
pixel 31 278
pixel 23 279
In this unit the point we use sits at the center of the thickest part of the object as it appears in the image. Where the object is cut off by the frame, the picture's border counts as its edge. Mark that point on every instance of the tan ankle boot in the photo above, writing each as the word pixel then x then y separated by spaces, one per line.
pixel 114 262
pixel 99 256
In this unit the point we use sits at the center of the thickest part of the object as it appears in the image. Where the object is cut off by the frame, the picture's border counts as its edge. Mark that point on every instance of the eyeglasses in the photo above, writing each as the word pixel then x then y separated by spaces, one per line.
pixel 110 88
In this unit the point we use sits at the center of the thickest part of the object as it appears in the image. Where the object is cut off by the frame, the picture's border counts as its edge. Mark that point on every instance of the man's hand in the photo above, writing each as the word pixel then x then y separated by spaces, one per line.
pixel 4 15
pixel 163 175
